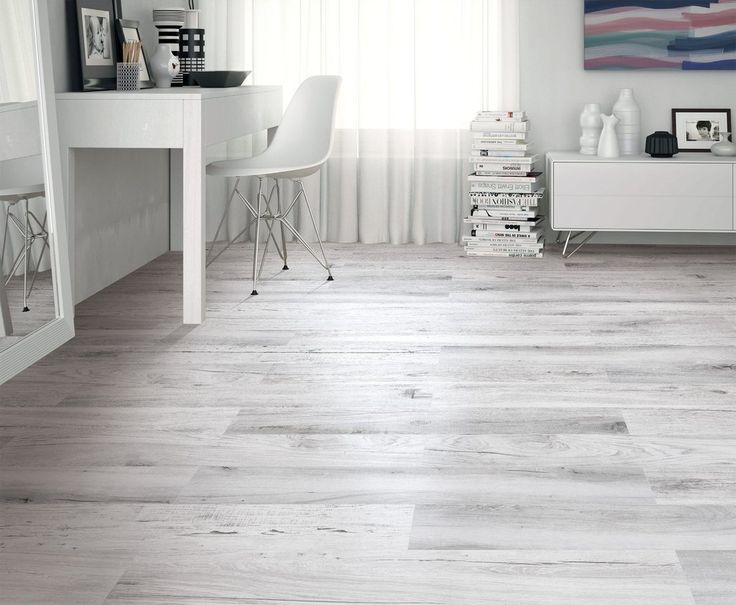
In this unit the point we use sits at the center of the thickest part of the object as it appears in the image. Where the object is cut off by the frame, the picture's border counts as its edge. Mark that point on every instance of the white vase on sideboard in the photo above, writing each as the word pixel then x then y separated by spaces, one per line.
pixel 629 127
pixel 608 145
pixel 592 125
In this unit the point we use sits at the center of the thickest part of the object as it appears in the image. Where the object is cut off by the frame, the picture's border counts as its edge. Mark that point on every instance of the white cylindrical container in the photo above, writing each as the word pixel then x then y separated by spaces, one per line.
pixel 629 126
pixel 608 145
pixel 591 125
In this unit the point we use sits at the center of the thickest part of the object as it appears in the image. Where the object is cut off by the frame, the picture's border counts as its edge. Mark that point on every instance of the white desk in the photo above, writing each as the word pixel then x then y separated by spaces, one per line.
pixel 184 119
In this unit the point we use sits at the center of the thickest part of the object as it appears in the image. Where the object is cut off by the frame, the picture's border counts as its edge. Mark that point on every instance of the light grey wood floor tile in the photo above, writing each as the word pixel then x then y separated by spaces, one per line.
pixel 396 485
pixel 720 422
pixel 549 525
pixel 608 578
pixel 94 484
pixel 711 574
pixel 38 579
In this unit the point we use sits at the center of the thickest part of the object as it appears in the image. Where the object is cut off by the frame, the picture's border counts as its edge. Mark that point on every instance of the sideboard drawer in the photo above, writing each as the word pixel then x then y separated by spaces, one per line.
pixel 626 212
pixel 648 179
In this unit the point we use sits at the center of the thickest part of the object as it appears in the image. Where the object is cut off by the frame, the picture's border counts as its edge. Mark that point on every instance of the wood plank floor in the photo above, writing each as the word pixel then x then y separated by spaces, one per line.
pixel 426 429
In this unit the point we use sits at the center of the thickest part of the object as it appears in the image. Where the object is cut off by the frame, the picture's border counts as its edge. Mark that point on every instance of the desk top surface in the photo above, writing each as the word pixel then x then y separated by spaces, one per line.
pixel 680 158
pixel 166 94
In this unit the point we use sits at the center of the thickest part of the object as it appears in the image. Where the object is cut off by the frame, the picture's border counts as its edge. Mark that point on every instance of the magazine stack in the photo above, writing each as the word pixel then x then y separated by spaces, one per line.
pixel 505 188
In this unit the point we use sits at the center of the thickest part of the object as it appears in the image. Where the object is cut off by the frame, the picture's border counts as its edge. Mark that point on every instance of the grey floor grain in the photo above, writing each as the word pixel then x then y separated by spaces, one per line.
pixel 426 429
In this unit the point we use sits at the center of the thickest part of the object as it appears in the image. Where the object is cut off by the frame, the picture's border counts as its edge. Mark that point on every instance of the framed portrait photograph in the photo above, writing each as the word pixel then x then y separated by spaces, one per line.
pixel 97 48
pixel 700 129
pixel 127 31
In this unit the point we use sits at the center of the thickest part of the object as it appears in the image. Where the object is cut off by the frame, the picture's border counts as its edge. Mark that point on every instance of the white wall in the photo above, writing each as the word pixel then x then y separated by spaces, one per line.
pixel 554 88
pixel 122 204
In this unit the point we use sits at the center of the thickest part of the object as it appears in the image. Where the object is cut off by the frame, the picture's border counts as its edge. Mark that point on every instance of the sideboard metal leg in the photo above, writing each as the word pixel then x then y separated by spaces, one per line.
pixel 571 237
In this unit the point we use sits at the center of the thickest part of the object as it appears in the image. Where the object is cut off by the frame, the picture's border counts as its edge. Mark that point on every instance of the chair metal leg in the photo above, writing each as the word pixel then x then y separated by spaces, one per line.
pixel 258 235
pixel 210 259
pixel 283 228
pixel 316 230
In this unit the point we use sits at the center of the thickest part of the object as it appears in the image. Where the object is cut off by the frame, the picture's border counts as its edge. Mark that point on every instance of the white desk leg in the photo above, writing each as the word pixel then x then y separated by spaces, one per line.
pixel 68 168
pixel 193 215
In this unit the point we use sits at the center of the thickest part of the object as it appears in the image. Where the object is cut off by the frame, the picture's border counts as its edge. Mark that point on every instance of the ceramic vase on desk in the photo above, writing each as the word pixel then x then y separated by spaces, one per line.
pixel 629 127
pixel 608 145
pixel 591 124
pixel 165 66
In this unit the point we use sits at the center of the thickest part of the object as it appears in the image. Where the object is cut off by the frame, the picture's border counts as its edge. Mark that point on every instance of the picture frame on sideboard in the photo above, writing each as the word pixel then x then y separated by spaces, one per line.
pixel 699 129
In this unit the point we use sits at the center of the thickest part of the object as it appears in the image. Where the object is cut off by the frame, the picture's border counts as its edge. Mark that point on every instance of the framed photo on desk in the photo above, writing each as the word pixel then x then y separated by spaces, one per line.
pixel 97 48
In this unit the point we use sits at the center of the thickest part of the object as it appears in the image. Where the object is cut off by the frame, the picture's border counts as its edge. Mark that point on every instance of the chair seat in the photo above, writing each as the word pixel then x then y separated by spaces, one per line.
pixel 22 192
pixel 261 165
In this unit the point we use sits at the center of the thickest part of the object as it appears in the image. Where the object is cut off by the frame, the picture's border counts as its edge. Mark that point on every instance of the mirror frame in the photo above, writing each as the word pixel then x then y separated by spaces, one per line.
pixel 49 337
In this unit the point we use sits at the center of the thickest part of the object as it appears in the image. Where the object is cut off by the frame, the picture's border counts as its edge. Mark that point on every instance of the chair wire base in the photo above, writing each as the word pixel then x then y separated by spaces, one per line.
pixel 30 230
pixel 263 210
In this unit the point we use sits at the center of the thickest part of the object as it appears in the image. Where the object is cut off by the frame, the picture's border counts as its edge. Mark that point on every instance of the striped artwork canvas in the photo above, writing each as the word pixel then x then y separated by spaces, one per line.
pixel 660 34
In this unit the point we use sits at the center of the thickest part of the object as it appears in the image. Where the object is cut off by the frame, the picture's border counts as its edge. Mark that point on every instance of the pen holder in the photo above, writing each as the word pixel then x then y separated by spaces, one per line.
pixel 129 76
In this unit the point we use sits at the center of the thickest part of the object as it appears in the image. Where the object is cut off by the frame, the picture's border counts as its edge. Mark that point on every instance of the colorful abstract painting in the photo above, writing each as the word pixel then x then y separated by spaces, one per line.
pixel 660 34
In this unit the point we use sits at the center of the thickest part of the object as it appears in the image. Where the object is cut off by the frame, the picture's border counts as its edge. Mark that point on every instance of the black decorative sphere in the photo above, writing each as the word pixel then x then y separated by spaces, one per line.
pixel 661 144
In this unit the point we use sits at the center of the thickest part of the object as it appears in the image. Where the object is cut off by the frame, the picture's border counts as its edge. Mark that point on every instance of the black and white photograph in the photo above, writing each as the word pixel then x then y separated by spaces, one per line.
pixel 98 40
pixel 700 129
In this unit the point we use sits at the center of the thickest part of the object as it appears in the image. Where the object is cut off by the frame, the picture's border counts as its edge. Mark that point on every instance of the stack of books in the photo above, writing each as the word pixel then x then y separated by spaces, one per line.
pixel 506 186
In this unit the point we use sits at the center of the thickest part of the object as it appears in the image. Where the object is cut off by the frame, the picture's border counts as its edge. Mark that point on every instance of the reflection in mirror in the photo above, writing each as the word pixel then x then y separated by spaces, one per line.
pixel 27 300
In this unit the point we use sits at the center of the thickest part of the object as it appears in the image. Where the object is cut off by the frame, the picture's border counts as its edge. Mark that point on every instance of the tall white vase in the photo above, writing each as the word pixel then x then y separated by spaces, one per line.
pixel 164 65
pixel 629 127
pixel 608 145
pixel 591 124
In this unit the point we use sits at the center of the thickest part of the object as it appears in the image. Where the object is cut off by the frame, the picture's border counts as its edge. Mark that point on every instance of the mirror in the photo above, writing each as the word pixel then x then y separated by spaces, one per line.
pixel 35 311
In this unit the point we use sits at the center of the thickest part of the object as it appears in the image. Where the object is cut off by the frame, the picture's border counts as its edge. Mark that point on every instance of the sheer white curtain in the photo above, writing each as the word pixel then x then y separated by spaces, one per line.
pixel 415 72
pixel 17 67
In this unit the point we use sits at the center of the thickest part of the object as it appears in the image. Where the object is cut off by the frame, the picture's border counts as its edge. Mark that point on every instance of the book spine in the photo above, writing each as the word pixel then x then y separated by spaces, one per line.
pixel 519 172
pixel 504 254
pixel 493 153
pixel 499 126
pixel 499 145
pixel 504 216
pixel 504 187
pixel 481 234
pixel 499 136
pixel 518 115
pixel 508 227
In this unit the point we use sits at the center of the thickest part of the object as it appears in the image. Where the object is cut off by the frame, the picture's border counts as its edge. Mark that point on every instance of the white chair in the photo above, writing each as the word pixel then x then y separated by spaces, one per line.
pixel 301 146
pixel 30 229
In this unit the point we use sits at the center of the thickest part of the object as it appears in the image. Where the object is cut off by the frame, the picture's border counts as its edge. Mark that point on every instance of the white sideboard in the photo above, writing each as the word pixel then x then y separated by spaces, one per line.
pixel 691 192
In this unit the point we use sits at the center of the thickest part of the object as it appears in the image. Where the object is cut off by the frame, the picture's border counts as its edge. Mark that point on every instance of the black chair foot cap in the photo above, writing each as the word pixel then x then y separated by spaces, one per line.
pixel 254 293
pixel 330 278
pixel 25 309
pixel 286 268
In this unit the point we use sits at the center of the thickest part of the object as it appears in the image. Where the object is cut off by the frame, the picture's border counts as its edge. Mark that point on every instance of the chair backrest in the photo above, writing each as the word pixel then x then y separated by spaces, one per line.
pixel 306 132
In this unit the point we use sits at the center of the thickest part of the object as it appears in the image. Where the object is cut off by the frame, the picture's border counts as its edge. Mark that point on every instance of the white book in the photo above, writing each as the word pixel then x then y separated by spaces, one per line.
pixel 480 222
pixel 503 187
pixel 498 126
pixel 498 153
pixel 498 136
pixel 515 115
pixel 508 214
pixel 525 160
pixel 519 254
pixel 501 145
pixel 512 236
pixel 506 244
pixel 481 171
pixel 506 199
